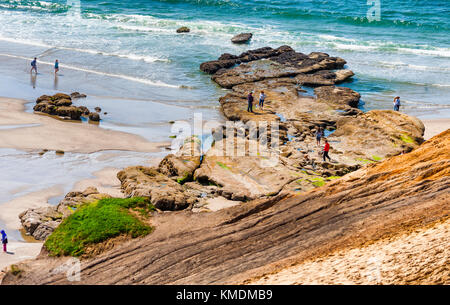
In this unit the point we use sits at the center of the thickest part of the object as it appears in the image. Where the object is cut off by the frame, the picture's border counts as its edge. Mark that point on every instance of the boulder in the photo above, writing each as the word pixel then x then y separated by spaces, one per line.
pixel 181 166
pixel 338 95
pixel 242 38
pixel 63 102
pixel 164 193
pixel 77 95
pixel 69 111
pixel 61 96
pixel 183 29
pixel 94 116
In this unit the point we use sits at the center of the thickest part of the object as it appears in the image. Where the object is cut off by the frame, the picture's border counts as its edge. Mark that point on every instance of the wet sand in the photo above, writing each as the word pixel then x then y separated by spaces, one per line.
pixel 52 134
pixel 435 126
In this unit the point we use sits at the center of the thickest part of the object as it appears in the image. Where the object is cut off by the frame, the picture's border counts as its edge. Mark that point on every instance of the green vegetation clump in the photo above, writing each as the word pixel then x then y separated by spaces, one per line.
pixel 376 158
pixel 407 139
pixel 184 179
pixel 223 165
pixel 15 270
pixel 365 160
pixel 98 221
pixel 334 177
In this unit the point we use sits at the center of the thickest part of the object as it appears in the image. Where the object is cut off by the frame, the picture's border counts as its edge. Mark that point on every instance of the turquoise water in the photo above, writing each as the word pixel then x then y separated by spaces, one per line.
pixel 129 49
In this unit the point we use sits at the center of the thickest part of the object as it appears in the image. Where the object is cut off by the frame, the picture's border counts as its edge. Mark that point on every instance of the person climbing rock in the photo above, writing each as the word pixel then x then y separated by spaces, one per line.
pixel 4 240
pixel 397 103
pixel 250 102
pixel 326 150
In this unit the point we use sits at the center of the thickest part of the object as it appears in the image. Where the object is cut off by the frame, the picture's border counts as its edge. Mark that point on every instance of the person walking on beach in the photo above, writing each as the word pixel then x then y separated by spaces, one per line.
pixel 250 102
pixel 319 135
pixel 326 150
pixel 262 98
pixel 4 240
pixel 397 103
pixel 56 67
pixel 34 65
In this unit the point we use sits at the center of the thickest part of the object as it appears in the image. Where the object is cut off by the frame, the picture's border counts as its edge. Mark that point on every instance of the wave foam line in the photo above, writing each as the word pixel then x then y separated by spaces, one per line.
pixel 126 77
pixel 147 59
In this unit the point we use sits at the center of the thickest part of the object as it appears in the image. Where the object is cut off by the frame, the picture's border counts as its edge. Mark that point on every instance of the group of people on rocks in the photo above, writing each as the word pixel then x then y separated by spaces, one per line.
pixel 250 99
pixel 319 132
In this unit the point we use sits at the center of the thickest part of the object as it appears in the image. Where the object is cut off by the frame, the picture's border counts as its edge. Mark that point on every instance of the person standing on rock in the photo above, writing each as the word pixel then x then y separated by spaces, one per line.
pixel 262 98
pixel 319 135
pixel 34 65
pixel 397 103
pixel 326 150
pixel 250 102
pixel 4 240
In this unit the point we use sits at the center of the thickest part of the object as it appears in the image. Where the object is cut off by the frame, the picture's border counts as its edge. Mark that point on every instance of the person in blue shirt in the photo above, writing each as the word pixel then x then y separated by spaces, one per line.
pixel 4 240
pixel 397 103
pixel 34 65
pixel 56 67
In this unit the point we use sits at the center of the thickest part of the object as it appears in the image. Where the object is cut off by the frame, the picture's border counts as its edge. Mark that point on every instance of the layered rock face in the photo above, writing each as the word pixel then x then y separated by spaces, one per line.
pixel 60 105
pixel 396 196
pixel 41 222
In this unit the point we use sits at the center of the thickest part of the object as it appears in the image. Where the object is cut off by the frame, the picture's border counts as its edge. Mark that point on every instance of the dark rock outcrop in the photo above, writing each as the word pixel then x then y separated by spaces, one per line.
pixel 183 29
pixel 242 38
pixel 59 105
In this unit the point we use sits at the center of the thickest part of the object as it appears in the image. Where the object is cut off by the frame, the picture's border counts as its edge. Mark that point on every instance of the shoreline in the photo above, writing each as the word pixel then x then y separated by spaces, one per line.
pixel 27 131
pixel 24 131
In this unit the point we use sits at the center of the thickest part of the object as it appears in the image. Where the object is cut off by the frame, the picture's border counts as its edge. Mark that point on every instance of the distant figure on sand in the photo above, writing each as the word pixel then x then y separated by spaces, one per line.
pixel 397 103
pixel 4 240
pixel 262 98
pixel 56 67
pixel 34 65
pixel 319 135
pixel 326 150
pixel 250 102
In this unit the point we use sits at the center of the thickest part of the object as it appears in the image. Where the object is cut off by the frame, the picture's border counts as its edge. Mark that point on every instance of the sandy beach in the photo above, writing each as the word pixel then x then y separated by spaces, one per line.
pixel 27 131
pixel 32 132
pixel 435 126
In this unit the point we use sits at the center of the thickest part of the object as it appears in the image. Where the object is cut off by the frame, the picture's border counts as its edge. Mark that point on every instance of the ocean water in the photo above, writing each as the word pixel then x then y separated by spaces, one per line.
pixel 129 49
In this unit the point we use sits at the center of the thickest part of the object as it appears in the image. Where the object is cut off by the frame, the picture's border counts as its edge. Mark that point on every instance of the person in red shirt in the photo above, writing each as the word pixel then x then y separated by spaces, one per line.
pixel 326 150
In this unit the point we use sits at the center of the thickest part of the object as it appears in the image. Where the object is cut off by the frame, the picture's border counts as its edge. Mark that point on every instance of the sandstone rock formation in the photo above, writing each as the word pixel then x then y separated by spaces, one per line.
pixel 396 196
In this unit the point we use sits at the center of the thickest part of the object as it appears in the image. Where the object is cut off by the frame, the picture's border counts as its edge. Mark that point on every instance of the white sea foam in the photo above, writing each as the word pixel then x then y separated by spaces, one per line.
pixel 136 57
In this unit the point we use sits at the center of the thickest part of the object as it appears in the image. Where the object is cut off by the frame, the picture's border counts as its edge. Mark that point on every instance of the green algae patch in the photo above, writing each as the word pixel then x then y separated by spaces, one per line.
pixel 407 139
pixel 98 221
pixel 186 178
pixel 365 161
pixel 223 165
pixel 334 177
pixel 376 158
